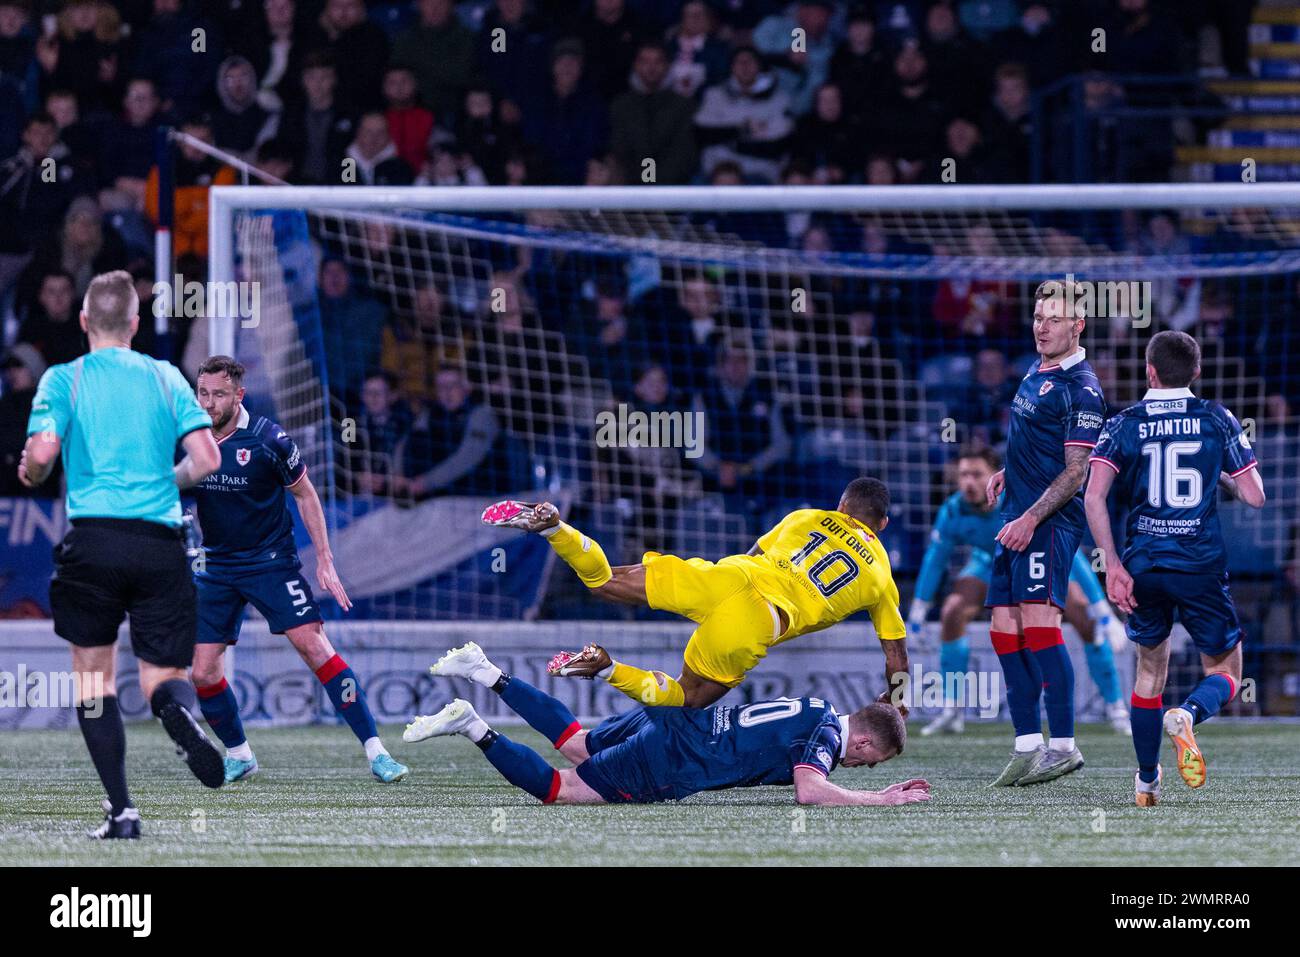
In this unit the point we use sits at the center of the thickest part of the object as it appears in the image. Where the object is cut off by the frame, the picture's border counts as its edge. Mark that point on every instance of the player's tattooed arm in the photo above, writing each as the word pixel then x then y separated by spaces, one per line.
pixel 1065 485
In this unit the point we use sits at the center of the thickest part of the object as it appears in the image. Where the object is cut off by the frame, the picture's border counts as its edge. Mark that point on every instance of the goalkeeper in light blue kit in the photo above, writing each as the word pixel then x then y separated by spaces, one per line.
pixel 965 519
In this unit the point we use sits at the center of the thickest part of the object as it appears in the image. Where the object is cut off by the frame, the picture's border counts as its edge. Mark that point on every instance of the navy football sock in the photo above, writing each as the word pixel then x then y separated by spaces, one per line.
pixel 101 726
pixel 221 710
pixel 521 766
pixel 175 690
pixel 1209 696
pixel 1048 649
pixel 1024 686
pixel 542 712
pixel 349 700
pixel 1145 718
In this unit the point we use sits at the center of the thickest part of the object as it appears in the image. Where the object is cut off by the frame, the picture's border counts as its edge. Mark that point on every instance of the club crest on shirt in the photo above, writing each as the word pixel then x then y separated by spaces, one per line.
pixel 242 456
pixel 1045 388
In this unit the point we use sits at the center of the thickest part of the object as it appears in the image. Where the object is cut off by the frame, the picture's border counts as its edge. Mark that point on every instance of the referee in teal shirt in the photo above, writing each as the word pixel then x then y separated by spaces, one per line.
pixel 116 416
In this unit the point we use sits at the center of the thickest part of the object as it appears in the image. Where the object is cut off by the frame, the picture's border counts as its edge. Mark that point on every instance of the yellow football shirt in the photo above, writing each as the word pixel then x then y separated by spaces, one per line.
pixel 822 566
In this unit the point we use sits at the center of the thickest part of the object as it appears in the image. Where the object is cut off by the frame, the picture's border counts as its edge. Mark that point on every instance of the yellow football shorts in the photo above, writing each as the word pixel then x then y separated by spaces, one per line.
pixel 736 624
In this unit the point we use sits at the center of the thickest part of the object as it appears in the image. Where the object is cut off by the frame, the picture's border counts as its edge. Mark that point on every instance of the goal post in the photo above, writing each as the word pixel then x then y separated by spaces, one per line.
pixel 869 314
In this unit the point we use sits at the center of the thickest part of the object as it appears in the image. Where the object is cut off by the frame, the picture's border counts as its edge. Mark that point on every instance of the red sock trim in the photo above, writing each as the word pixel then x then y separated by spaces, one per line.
pixel 1006 642
pixel 1140 702
pixel 211 691
pixel 1040 639
pixel 567 733
pixel 328 671
pixel 1232 685
pixel 555 788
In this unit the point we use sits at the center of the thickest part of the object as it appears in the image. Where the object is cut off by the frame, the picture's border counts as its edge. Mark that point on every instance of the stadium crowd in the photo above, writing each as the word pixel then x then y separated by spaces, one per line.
pixel 554 91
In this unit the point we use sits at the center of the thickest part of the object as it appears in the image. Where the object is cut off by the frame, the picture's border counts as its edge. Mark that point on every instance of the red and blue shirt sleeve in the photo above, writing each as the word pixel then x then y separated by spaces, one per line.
pixel 1086 411
pixel 285 456
pixel 1108 450
pixel 1238 456
pixel 820 750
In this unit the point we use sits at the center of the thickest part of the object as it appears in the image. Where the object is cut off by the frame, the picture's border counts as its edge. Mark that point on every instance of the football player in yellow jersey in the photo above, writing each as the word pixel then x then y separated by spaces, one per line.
pixel 812 570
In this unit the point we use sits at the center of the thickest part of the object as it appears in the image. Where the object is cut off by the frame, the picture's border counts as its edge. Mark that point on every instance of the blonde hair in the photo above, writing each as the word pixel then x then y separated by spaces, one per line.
pixel 111 303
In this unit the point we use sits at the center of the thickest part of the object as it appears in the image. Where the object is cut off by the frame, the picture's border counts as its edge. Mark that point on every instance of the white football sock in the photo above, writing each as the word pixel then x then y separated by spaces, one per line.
pixel 374 748
pixel 1029 742
pixel 241 752
pixel 487 675
pixel 476 729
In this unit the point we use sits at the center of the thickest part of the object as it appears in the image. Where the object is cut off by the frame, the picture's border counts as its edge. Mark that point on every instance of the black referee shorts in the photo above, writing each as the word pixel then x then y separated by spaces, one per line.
pixel 106 568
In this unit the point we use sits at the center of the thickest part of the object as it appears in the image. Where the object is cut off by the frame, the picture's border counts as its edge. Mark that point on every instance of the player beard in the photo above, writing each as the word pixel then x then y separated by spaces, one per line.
pixel 219 424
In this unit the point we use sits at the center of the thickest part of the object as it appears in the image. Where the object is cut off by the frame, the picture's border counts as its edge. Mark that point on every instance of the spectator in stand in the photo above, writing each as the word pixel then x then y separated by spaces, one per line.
pixel 858 66
pixel 83 54
pixel 53 323
pixel 440 51
pixel 351 327
pixel 449 165
pixel 614 343
pixel 958 63
pixel 22 368
pixel 84 248
pixel 694 328
pixel 1008 125
pixel 911 117
pixel 274 41
pixel 417 344
pixel 450 447
pixel 799 72
pixel 319 128
pixel 698 58
pixel 239 124
pixel 374 156
pixel 193 175
pixel 964 144
pixel 826 141
pixel 409 124
pixel 19 71
pixel 985 406
pixel 1141 39
pixel 745 434
pixel 357 44
pixel 651 121
pixel 78 139
pixel 971 313
pixel 383 422
pixel 164 53
pixel 1036 41
pixel 485 136
pixel 126 141
pixel 567 122
pixel 746 120
pixel 610 35
pixel 31 210
pixel 508 25
pixel 275 157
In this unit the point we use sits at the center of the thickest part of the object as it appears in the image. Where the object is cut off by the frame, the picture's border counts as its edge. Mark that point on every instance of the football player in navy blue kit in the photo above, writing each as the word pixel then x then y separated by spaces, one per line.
pixel 1164 458
pixel 249 555
pixel 667 753
pixel 1056 417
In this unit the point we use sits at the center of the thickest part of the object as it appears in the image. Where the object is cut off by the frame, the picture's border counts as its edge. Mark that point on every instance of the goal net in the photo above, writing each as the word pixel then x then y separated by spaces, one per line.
pixel 677 368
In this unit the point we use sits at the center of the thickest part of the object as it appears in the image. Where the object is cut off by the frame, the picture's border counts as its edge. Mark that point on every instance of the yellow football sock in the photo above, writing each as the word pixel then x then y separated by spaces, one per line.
pixel 584 555
pixel 652 688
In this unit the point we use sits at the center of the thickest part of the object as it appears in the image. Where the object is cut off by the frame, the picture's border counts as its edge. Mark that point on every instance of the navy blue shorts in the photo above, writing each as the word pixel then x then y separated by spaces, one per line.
pixel 1201 602
pixel 629 759
pixel 1039 574
pixel 282 596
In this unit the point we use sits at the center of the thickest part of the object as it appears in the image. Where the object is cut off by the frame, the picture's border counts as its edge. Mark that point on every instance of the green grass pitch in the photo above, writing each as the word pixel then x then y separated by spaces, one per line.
pixel 315 803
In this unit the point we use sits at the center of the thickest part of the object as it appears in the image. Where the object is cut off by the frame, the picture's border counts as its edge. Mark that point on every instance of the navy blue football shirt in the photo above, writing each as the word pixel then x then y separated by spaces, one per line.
pixel 241 507
pixel 1168 451
pixel 1056 406
pixel 730 746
